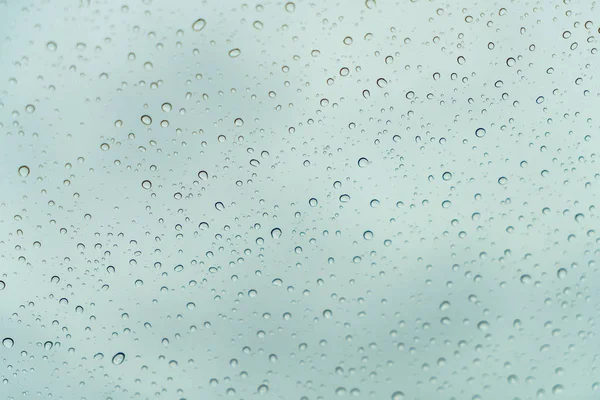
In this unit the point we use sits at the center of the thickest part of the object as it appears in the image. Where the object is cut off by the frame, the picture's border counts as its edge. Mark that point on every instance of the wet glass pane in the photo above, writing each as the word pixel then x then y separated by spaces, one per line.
pixel 304 200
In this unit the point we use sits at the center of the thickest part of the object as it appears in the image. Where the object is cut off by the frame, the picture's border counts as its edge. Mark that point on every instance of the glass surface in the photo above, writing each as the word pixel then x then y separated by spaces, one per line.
pixel 299 200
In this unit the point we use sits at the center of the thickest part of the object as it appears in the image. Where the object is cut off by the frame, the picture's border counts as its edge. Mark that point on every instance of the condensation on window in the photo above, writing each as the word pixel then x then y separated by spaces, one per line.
pixel 301 200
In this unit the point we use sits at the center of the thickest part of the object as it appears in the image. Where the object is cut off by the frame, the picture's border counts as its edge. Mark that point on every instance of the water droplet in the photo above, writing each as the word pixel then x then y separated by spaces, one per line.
pixel 447 176
pixel 24 171
pixel 166 107
pixel 368 235
pixel 480 132
pixel 2 285
pixel 370 4
pixel 51 46
pixel 234 53
pixel 238 122
pixel 146 119
pixel 263 389
pixel 48 345
pixel 483 325
pixel 147 184
pixel 276 233
pixel 203 175
pixel 8 342
pixel 363 162
pixel 558 389
pixel 118 358
pixel 29 108
pixel 290 7
pixel 398 395
pixel 199 24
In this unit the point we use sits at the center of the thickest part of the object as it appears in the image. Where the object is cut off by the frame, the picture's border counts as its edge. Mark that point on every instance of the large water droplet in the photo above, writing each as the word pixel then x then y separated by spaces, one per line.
pixel 276 233
pixel 290 7
pixel 118 358
pixel 24 171
pixel 363 162
pixel 398 395
pixel 199 24
pixel 146 119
